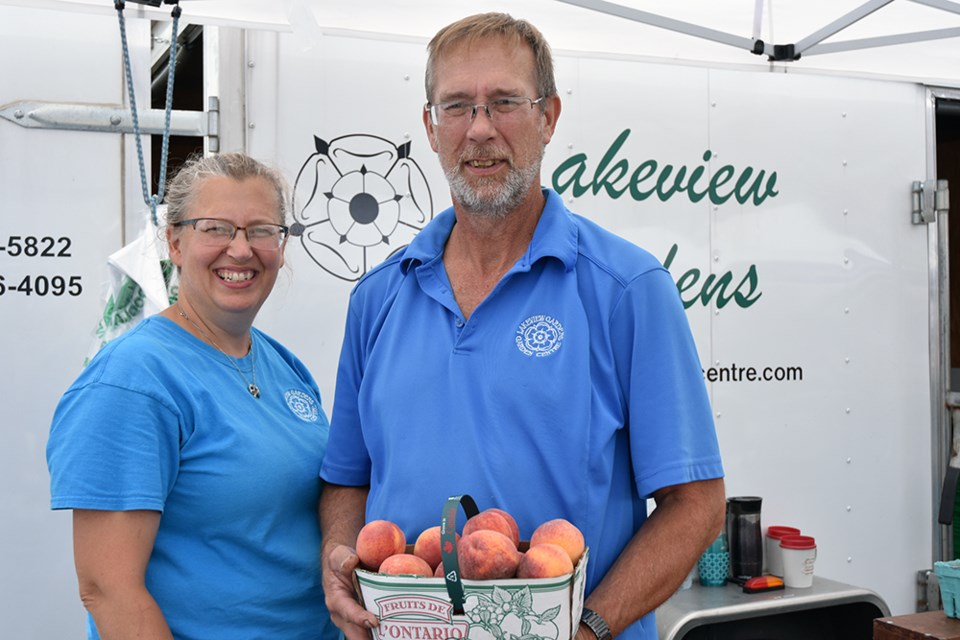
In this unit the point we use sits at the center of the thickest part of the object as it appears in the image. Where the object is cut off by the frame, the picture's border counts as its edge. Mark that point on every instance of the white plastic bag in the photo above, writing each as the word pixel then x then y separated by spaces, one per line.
pixel 141 281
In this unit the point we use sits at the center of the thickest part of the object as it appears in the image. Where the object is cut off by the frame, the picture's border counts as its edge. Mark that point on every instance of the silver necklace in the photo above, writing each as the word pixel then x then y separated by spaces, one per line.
pixel 251 386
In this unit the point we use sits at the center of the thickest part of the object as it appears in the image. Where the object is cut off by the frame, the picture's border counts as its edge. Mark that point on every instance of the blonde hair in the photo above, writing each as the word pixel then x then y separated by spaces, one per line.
pixel 183 188
pixel 487 25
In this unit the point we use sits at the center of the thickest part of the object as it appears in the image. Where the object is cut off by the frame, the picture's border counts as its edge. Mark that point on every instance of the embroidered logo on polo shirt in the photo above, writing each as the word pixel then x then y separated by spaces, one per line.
pixel 302 405
pixel 539 336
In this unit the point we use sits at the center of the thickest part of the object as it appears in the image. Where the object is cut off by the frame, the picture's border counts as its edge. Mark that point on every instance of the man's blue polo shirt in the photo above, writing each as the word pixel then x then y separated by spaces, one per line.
pixel 573 391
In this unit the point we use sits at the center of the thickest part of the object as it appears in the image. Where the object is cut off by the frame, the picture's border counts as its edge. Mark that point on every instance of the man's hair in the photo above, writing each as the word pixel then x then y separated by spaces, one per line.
pixel 183 188
pixel 488 25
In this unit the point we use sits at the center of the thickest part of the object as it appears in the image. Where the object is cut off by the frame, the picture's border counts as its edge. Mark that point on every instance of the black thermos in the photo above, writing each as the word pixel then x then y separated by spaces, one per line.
pixel 744 536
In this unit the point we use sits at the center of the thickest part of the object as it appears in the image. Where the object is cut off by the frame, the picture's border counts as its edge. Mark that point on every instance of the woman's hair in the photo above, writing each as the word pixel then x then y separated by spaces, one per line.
pixel 488 25
pixel 184 186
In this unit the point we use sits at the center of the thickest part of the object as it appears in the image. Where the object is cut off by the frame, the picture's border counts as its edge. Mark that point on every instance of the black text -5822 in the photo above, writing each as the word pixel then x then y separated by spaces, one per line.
pixel 37 247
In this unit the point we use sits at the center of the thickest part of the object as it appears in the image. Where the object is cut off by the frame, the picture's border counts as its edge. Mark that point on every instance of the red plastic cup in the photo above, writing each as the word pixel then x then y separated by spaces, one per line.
pixel 799 554
pixel 772 547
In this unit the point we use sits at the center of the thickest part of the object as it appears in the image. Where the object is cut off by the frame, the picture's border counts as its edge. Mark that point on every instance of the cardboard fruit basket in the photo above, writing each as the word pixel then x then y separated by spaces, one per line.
pixel 416 608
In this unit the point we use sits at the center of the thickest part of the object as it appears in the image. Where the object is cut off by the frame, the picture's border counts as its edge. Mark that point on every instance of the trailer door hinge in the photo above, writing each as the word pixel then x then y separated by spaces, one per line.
pixel 928 591
pixel 929 198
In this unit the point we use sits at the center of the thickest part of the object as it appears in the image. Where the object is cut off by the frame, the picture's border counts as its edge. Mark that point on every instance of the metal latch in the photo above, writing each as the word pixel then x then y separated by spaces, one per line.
pixel 84 117
pixel 929 198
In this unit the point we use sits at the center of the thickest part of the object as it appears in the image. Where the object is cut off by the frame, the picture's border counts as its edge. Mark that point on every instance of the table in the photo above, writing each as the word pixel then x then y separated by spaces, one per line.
pixel 929 625
pixel 829 609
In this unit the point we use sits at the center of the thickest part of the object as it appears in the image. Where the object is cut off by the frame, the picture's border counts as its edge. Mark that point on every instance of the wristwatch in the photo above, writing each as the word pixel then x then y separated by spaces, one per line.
pixel 596 623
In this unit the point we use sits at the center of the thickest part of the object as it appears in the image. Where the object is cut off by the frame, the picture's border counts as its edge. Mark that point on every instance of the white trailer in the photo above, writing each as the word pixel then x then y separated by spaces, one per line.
pixel 794 201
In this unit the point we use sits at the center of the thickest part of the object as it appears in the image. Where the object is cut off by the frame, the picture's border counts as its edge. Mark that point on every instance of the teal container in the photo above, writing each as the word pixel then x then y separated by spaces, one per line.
pixel 948 574
pixel 714 565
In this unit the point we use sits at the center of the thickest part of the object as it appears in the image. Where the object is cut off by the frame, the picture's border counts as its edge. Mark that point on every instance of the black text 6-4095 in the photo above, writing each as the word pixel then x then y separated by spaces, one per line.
pixel 34 285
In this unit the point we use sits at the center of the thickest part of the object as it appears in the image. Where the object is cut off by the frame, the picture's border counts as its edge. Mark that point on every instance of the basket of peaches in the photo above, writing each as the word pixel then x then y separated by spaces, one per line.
pixel 496 584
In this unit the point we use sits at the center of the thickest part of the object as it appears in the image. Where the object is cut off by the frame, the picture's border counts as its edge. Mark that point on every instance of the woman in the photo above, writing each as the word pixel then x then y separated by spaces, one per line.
pixel 189 448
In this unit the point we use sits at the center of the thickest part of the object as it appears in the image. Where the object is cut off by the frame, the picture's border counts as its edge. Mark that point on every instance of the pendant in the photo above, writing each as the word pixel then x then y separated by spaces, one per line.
pixel 254 390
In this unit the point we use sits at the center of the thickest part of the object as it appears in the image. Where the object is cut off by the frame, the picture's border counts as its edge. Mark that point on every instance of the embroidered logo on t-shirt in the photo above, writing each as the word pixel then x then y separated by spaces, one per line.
pixel 539 336
pixel 302 405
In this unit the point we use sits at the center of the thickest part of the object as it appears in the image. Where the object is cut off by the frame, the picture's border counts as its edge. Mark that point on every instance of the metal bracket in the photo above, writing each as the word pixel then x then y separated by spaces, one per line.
pixel 929 198
pixel 86 117
pixel 928 591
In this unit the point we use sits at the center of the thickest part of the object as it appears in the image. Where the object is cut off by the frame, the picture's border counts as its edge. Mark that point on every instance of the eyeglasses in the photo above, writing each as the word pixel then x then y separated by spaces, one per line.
pixel 456 112
pixel 214 232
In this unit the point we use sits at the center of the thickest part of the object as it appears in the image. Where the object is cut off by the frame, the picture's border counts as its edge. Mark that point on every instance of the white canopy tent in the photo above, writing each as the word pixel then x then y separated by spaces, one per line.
pixel 71 184
pixel 902 39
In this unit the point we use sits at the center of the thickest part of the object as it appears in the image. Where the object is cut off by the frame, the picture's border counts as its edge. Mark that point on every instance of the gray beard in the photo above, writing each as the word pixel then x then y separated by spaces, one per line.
pixel 507 198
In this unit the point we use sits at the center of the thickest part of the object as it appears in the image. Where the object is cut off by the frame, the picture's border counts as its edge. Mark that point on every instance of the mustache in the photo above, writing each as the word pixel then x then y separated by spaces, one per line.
pixel 483 152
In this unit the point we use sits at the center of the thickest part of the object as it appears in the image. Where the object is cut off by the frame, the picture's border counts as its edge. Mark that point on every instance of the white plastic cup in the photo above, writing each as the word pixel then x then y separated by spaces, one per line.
pixel 799 554
pixel 774 557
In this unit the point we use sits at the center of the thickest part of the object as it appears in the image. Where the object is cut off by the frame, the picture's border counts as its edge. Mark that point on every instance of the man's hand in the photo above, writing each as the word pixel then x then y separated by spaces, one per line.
pixel 583 633
pixel 345 611
pixel 341 518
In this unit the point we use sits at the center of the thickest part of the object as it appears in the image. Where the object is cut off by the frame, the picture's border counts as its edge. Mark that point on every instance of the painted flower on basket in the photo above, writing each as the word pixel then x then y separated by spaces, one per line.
pixel 358 199
pixel 509 614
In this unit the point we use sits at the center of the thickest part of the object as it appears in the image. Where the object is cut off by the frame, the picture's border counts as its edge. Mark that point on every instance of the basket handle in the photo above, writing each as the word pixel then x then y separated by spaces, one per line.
pixel 448 546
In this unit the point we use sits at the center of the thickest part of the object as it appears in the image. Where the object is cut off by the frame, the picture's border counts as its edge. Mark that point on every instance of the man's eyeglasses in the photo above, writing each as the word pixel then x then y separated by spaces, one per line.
pixel 459 112
pixel 214 232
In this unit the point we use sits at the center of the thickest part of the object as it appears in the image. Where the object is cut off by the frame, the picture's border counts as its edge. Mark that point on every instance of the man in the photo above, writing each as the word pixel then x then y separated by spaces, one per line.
pixel 522 355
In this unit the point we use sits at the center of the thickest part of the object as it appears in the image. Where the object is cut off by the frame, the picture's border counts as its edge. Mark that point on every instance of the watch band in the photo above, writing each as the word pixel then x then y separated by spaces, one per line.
pixel 596 623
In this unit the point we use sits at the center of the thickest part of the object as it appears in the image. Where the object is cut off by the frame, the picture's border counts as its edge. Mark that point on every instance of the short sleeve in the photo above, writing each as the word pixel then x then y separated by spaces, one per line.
pixel 672 435
pixel 347 461
pixel 111 448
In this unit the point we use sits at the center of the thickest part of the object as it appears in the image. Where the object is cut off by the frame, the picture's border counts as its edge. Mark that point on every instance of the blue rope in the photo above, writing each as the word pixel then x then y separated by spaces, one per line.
pixel 151 200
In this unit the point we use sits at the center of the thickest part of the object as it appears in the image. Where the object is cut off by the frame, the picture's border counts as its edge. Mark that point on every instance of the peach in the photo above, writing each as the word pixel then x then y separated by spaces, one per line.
pixel 510 521
pixel 406 564
pixel 487 555
pixel 377 541
pixel 491 521
pixel 560 532
pixel 544 560
pixel 427 546
pixel 438 572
